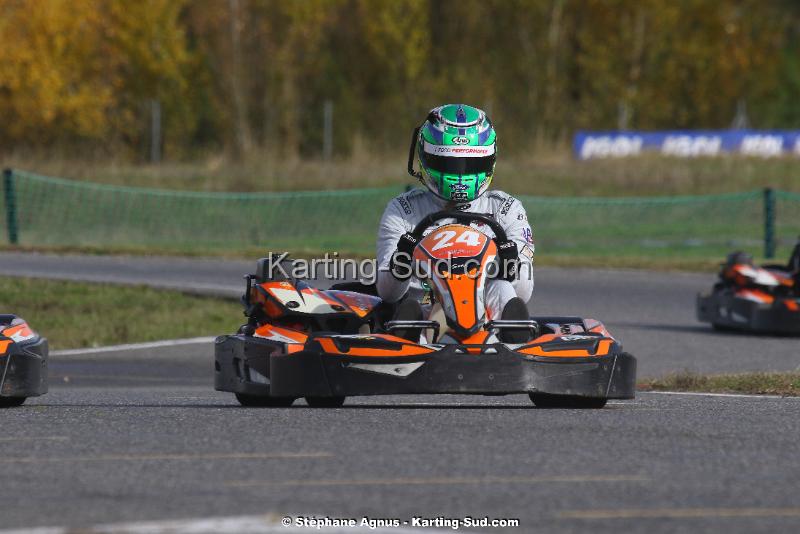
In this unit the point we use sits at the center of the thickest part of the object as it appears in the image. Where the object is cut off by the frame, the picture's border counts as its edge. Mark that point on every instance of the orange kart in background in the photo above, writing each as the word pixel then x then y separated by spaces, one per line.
pixel 761 299
pixel 326 345
pixel 23 362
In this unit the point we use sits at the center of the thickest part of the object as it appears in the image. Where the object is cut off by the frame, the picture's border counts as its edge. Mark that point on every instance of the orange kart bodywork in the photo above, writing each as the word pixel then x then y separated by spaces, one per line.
pixel 326 345
pixel 590 365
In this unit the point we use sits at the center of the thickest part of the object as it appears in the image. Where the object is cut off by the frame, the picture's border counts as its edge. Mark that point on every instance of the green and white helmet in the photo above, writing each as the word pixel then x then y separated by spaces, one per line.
pixel 456 150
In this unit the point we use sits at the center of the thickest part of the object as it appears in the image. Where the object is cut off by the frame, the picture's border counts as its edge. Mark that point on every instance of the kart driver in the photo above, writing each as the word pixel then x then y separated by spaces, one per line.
pixel 457 179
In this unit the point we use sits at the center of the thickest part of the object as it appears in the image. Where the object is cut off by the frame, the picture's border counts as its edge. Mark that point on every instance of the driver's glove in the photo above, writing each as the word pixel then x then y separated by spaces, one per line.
pixel 508 257
pixel 400 262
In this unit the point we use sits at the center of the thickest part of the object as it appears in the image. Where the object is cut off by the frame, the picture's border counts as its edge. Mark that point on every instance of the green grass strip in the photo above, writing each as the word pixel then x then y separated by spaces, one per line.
pixel 78 315
pixel 756 383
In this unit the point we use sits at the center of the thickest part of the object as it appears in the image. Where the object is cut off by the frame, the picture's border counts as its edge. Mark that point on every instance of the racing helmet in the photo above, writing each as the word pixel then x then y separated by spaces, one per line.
pixel 456 150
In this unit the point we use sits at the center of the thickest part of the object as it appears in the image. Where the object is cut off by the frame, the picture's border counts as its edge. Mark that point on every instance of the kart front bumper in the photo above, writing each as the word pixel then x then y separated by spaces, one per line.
pixel 23 369
pixel 727 311
pixel 258 367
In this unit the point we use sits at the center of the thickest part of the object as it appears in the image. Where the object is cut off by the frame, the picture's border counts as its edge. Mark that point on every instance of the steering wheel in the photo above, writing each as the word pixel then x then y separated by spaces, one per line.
pixel 461 218
pixel 506 249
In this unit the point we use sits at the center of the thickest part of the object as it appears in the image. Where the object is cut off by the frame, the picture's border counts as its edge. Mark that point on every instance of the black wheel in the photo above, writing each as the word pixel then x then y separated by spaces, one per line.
pixel 258 401
pixel 10 402
pixel 546 400
pixel 325 402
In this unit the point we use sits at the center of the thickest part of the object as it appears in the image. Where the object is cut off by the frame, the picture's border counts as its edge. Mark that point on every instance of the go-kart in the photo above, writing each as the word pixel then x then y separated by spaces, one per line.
pixel 23 362
pixel 326 345
pixel 759 299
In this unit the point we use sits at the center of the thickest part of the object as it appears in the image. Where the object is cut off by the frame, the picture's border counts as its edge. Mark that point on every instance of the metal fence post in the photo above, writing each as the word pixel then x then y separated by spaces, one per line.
pixel 11 206
pixel 769 223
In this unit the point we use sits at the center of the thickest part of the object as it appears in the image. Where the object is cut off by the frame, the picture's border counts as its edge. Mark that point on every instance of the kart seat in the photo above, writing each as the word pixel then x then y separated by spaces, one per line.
pixel 794 259
pixel 263 273
pixel 738 257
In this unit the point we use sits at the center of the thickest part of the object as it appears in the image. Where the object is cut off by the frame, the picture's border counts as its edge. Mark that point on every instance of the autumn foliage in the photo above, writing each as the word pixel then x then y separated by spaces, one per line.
pixel 248 75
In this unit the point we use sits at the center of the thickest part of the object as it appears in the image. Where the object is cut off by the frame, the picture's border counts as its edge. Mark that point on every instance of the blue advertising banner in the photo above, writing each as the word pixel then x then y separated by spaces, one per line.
pixel 687 143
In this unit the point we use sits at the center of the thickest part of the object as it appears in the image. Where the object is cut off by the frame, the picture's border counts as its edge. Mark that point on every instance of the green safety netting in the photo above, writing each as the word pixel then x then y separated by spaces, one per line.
pixel 656 226
pixel 57 212
pixel 64 213
pixel 787 220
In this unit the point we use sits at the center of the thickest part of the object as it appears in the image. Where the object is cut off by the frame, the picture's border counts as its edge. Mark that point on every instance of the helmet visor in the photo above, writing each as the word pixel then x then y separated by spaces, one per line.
pixel 460 160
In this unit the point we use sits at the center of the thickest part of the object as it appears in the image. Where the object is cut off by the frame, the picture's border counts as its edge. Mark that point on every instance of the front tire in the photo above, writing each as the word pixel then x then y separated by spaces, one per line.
pixel 11 402
pixel 258 401
pixel 547 400
pixel 325 402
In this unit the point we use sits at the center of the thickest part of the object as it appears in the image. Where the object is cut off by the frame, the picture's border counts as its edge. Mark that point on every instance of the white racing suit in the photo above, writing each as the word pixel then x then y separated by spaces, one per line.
pixel 406 210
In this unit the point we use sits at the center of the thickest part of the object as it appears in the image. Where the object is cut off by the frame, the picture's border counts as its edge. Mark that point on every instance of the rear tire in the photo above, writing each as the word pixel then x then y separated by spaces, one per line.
pixel 547 400
pixel 258 401
pixel 11 402
pixel 325 402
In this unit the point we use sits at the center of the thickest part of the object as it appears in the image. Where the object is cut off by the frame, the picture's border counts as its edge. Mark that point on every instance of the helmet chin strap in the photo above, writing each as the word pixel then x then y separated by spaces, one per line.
pixel 413 148
pixel 411 151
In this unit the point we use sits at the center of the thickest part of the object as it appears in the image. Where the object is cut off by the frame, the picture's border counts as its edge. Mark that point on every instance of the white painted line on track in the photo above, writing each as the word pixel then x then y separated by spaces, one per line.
pixel 731 395
pixel 253 524
pixel 134 346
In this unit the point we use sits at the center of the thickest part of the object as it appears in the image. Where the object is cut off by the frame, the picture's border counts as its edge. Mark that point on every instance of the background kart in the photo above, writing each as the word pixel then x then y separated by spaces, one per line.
pixel 326 345
pixel 23 362
pixel 747 297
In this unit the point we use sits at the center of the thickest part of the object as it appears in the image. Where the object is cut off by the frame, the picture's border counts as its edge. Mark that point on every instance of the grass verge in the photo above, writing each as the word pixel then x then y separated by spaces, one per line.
pixel 786 384
pixel 78 315
pixel 545 171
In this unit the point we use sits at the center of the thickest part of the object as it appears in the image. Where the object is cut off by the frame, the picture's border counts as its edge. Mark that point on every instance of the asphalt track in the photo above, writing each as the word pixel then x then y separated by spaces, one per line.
pixel 139 434
pixel 652 313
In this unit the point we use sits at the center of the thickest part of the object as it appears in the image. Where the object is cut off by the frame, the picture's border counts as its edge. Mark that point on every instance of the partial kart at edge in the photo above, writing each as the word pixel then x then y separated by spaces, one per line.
pixel 759 299
pixel 23 362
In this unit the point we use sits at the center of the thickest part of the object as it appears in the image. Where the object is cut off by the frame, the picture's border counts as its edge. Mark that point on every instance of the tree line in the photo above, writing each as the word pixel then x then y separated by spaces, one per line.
pixel 243 76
